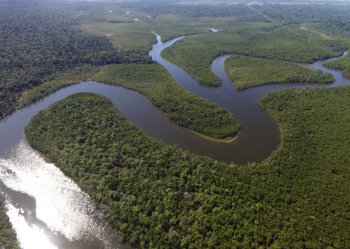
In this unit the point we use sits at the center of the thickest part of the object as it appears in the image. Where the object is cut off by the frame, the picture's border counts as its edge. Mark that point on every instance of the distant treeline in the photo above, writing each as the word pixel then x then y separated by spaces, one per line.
pixel 239 12
pixel 333 16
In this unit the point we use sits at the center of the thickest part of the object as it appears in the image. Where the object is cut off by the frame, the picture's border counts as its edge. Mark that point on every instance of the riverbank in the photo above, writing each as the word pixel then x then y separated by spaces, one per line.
pixel 246 72
pixel 154 124
pixel 199 188
pixel 180 106
pixel 342 64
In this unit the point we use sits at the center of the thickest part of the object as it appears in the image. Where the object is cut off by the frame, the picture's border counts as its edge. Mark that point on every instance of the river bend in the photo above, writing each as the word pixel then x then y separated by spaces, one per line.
pixel 48 210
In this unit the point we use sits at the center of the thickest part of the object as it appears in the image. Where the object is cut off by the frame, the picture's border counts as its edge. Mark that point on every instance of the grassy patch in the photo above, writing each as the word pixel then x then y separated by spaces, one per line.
pixel 133 35
pixel 127 33
pixel 342 64
pixel 217 140
pixel 309 27
pixel 162 196
pixel 271 41
pixel 47 43
pixel 178 104
pixel 247 72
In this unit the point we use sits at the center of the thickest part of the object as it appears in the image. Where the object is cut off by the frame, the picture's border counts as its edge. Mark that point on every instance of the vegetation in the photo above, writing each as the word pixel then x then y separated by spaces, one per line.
pixel 179 105
pixel 76 75
pixel 237 12
pixel 130 35
pixel 293 33
pixel 134 30
pixel 8 237
pixel 334 15
pixel 39 42
pixel 342 64
pixel 153 81
pixel 128 26
pixel 288 43
pixel 247 72
pixel 162 196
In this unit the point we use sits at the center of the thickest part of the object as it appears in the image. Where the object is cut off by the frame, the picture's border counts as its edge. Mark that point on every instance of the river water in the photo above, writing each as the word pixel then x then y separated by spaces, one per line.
pixel 259 134
pixel 48 210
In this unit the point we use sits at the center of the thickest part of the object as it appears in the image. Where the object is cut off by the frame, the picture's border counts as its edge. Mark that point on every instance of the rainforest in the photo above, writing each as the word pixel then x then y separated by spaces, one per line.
pixel 168 124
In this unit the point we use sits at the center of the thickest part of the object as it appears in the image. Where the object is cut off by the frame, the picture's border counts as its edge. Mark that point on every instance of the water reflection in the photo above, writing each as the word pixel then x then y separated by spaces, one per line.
pixel 30 236
pixel 47 209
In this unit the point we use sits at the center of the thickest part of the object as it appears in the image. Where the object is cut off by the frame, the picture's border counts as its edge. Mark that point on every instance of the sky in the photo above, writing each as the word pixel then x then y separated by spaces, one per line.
pixel 226 1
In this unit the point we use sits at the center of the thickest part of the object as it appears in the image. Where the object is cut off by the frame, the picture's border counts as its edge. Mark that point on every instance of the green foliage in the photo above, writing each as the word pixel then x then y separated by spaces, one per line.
pixel 342 64
pixel 131 35
pixel 39 41
pixel 169 26
pixel 160 196
pixel 178 104
pixel 331 14
pixel 260 40
pixel 247 72
pixel 76 75
pixel 134 76
pixel 238 12
pixel 8 237
pixel 126 33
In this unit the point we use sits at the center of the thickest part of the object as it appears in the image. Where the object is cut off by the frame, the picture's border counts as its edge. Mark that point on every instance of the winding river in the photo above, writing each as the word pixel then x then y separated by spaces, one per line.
pixel 48 210
pixel 259 134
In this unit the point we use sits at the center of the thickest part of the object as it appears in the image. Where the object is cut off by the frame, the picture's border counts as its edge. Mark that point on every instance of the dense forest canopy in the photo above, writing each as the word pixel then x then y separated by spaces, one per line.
pixel 159 196
pixel 338 14
pixel 162 196
pixel 8 237
pixel 179 105
pixel 247 71
pixel 238 12
pixel 39 41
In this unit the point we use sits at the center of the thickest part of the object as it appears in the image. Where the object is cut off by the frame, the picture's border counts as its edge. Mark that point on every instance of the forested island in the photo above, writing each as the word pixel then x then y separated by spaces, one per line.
pixel 162 196
pixel 343 65
pixel 185 109
pixel 248 72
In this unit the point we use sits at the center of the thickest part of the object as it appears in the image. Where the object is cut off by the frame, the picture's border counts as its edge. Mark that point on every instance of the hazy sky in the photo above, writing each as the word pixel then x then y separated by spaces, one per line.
pixel 229 1
pixel 224 1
